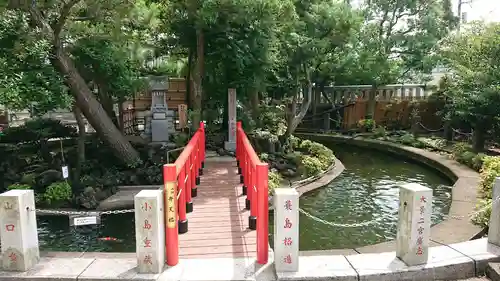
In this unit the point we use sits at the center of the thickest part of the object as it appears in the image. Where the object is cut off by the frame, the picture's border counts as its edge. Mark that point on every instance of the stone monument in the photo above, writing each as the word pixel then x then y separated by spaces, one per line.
pixel 230 144
pixel 161 118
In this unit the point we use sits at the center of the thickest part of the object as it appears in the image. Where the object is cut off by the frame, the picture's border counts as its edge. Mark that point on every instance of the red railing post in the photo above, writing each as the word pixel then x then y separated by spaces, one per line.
pixel 202 146
pixel 170 207
pixel 252 189
pixel 246 176
pixel 238 145
pixel 183 222
pixel 197 160
pixel 192 175
pixel 262 214
pixel 187 186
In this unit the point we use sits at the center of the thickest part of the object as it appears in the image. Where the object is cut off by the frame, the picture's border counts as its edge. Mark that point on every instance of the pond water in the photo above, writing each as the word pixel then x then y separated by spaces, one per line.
pixel 365 191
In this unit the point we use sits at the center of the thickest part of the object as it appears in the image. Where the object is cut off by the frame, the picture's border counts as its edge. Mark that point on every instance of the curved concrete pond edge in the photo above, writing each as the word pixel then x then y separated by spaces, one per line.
pixel 457 226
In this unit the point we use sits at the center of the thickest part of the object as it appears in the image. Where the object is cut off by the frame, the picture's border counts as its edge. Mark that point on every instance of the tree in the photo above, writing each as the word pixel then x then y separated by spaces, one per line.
pixel 400 37
pixel 306 43
pixel 473 57
pixel 58 24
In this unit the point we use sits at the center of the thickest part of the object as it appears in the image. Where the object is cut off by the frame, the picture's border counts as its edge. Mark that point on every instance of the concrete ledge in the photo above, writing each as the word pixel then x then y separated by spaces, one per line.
pixel 318 181
pixel 464 191
pixel 445 262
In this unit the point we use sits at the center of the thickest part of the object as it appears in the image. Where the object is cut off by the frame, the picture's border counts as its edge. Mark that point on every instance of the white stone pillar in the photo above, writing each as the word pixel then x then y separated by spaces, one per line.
pixel 149 231
pixel 18 233
pixel 286 229
pixel 230 144
pixel 414 224
pixel 494 225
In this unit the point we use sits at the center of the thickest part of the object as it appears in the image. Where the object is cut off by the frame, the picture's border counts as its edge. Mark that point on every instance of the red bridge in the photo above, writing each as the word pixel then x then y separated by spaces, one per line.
pixel 222 205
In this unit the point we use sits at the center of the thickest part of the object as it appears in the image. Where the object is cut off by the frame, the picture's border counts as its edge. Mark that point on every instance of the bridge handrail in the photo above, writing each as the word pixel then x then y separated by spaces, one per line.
pixel 255 185
pixel 182 176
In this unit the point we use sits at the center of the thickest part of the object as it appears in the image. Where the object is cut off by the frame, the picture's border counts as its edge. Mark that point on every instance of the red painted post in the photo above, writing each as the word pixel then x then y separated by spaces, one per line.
pixel 252 219
pixel 183 222
pixel 187 185
pixel 238 143
pixel 246 176
pixel 192 175
pixel 170 201
pixel 262 214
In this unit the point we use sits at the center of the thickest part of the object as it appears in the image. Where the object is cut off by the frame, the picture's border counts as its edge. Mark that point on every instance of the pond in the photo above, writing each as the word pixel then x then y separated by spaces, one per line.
pixel 366 191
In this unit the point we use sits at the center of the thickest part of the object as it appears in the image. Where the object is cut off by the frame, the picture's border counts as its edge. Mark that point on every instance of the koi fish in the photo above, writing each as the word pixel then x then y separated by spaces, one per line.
pixel 109 239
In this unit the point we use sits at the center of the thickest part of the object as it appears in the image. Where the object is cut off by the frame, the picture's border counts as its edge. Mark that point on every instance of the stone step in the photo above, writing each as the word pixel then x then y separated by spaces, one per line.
pixel 493 271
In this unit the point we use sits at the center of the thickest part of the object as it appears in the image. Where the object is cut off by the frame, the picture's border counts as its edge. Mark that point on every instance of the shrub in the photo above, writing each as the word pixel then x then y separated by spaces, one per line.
pixel 458 149
pixel 18 186
pixel 407 139
pixel 274 181
pixel 264 157
pixel 36 129
pixel 312 165
pixel 466 158
pixel 322 153
pixel 489 171
pixel 367 124
pixel 477 161
pixel 380 132
pixel 56 193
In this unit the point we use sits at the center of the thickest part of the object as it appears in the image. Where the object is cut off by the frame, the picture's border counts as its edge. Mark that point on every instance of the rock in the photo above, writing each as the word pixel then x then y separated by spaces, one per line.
pixel 48 177
pixel 289 173
pixel 101 194
pixel 221 152
pixel 88 198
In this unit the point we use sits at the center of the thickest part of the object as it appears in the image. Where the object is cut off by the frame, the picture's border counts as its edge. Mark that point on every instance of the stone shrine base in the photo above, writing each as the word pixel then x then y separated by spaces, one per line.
pixel 446 262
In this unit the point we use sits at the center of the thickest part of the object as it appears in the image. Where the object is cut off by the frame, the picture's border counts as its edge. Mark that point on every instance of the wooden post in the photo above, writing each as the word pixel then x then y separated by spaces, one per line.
pixel 262 214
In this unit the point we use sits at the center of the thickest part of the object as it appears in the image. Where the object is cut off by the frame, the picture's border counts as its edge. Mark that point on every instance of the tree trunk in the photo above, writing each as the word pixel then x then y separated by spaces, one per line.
pixel 295 121
pixel 120 114
pixel 255 103
pixel 198 78
pixel 107 103
pixel 478 139
pixel 80 147
pixel 84 98
pixel 93 110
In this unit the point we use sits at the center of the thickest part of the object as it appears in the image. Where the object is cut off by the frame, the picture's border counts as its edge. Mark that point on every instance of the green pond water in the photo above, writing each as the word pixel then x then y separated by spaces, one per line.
pixel 366 190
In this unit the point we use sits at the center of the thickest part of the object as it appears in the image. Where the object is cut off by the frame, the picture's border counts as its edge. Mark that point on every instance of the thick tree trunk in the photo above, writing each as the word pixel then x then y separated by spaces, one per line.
pixel 80 145
pixel 120 114
pixel 198 78
pixel 255 103
pixel 478 139
pixel 107 103
pixel 93 110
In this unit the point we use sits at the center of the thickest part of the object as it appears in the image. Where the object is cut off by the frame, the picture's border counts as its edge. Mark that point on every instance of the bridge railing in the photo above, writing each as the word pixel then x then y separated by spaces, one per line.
pixel 180 180
pixel 254 176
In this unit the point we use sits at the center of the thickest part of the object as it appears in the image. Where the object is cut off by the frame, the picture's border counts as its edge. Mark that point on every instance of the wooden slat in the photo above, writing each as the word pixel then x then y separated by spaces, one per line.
pixel 218 226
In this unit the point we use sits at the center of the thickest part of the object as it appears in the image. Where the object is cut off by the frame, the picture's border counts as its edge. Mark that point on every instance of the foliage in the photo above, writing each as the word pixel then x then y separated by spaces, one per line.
pixel 380 132
pixel 489 171
pixel 274 181
pixel 57 193
pixel 312 165
pixel 18 186
pixel 37 129
pixel 367 125
pixel 474 91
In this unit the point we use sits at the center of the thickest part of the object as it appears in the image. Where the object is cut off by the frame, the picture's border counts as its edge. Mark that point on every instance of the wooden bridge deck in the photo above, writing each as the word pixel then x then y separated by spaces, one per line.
pixel 218 226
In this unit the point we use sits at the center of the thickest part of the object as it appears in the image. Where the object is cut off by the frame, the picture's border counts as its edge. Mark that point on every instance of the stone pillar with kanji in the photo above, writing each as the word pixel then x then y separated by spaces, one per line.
pixel 286 229
pixel 414 224
pixel 149 231
pixel 19 235
pixel 230 144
